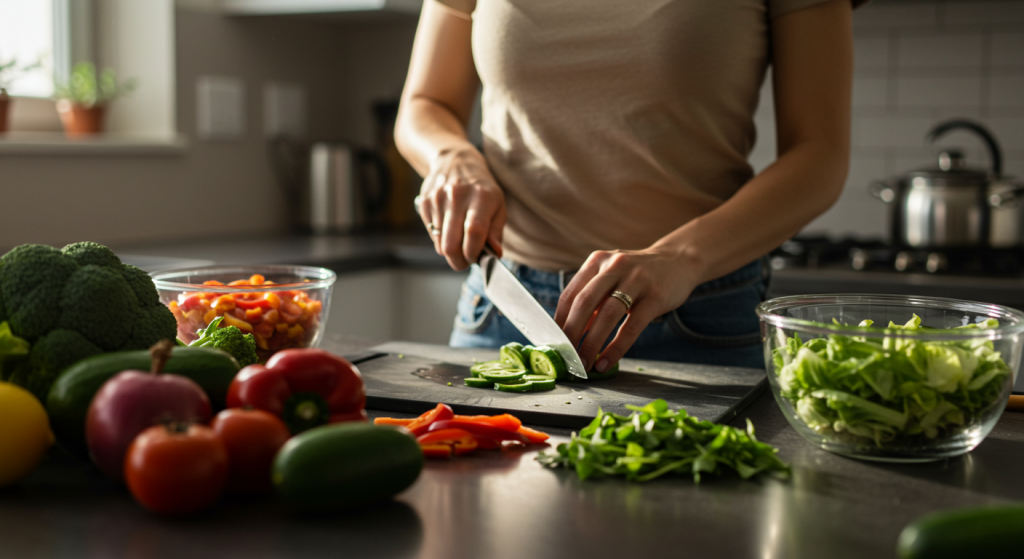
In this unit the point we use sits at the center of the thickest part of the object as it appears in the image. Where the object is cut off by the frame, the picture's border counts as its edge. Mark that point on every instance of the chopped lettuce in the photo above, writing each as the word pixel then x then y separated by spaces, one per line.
pixel 884 389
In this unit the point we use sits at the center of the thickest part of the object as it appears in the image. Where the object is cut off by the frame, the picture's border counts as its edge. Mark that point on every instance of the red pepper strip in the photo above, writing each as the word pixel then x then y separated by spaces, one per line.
pixel 393 421
pixel 478 430
pixel 532 435
pixel 423 422
pixel 504 421
pixel 436 451
pixel 462 441
pixel 483 443
pixel 260 303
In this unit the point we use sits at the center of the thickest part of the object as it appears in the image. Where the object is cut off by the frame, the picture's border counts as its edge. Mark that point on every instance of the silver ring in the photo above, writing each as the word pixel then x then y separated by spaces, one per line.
pixel 434 231
pixel 626 299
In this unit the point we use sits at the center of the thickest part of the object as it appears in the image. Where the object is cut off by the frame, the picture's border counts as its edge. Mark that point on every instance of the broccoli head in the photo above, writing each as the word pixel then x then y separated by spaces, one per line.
pixel 73 303
pixel 228 339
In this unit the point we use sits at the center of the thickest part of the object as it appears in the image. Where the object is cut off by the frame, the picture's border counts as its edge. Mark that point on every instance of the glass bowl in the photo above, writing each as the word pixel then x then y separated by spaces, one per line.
pixel 890 394
pixel 282 306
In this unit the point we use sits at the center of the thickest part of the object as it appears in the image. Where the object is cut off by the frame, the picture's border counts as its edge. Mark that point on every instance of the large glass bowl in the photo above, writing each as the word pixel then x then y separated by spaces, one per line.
pixel 942 389
pixel 282 306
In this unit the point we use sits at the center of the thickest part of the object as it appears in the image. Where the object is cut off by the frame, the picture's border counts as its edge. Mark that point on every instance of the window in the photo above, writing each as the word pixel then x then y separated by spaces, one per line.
pixel 27 35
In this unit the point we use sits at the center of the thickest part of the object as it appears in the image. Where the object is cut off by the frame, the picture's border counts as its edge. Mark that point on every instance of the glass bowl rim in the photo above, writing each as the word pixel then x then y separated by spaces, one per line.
pixel 767 312
pixel 319 278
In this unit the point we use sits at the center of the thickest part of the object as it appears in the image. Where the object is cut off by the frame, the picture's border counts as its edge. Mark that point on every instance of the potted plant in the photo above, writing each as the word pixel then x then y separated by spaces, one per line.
pixel 82 101
pixel 9 70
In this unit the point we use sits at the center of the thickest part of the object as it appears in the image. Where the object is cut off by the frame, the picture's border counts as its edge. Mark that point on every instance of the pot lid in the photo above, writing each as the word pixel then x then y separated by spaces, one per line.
pixel 952 170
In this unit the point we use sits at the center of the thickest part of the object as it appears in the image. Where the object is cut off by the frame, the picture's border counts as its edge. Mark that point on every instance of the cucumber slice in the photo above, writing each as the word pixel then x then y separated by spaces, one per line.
pixel 527 350
pixel 479 368
pixel 478 382
pixel 542 385
pixel 519 387
pixel 512 353
pixel 504 376
pixel 530 376
pixel 546 360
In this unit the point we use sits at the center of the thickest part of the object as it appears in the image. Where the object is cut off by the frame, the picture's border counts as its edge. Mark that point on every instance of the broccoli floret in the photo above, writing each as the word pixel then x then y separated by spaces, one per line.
pixel 53 353
pixel 73 303
pixel 31 279
pixel 142 285
pixel 150 326
pixel 230 340
pixel 100 304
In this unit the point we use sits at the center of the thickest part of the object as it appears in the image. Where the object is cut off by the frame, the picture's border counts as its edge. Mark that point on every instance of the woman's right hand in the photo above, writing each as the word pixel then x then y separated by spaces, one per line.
pixel 462 206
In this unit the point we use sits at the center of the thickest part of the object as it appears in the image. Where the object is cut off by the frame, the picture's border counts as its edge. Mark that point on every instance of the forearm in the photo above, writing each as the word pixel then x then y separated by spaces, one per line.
pixel 770 208
pixel 426 130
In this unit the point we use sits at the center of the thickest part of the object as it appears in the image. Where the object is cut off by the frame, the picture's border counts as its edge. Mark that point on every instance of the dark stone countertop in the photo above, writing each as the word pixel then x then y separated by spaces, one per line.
pixel 505 505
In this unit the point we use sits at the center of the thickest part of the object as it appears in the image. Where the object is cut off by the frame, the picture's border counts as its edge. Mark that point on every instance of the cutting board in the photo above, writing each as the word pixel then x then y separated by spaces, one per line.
pixel 412 378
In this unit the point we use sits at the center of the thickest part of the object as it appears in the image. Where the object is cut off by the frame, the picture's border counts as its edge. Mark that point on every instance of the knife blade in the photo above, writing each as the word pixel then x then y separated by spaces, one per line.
pixel 517 304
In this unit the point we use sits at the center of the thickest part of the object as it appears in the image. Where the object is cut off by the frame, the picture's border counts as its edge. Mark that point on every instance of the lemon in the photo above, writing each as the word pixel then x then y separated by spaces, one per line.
pixel 24 433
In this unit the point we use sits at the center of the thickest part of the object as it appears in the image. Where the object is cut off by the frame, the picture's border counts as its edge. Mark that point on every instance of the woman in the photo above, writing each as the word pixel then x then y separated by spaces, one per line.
pixel 614 174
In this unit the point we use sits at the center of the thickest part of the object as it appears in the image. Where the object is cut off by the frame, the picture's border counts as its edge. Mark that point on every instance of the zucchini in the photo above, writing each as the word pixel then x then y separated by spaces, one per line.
pixel 973 532
pixel 546 360
pixel 71 394
pixel 345 465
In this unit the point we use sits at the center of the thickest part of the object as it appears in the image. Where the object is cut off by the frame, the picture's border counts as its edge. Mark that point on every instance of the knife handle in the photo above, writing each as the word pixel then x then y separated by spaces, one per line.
pixel 487 251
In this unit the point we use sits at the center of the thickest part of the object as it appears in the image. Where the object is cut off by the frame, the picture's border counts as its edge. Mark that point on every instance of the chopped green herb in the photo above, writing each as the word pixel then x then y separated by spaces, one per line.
pixel 654 441
pixel 449 384
pixel 401 356
pixel 639 368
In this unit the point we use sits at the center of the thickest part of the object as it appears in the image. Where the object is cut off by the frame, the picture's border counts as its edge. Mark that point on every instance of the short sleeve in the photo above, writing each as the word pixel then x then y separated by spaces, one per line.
pixel 777 8
pixel 464 7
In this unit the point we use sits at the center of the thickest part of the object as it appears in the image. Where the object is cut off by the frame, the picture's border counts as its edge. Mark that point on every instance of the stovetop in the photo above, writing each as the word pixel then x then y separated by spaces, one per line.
pixel 813 252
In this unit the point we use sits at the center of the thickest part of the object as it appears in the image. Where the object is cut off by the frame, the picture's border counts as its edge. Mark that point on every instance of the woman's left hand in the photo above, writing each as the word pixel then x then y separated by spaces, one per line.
pixel 653 282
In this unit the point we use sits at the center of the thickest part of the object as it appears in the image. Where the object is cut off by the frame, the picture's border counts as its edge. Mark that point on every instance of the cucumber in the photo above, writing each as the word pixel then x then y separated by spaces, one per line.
pixel 478 382
pixel 612 371
pixel 71 394
pixel 542 385
pixel 973 532
pixel 512 353
pixel 506 376
pixel 345 465
pixel 546 360
pixel 517 387
pixel 479 368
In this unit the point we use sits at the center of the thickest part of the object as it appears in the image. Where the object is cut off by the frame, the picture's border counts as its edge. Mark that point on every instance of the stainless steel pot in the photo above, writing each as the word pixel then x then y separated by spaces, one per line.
pixel 954 206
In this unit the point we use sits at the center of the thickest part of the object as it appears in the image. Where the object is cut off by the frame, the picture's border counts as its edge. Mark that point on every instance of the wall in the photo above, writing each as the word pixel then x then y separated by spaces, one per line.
pixel 211 188
pixel 917 63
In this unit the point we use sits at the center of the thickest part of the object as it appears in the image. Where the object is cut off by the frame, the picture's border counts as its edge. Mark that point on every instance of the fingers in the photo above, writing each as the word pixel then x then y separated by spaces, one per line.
pixel 608 315
pixel 638 318
pixel 485 219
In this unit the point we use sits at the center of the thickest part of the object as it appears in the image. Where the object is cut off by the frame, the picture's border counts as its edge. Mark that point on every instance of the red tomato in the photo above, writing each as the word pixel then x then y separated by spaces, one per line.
pixel 173 470
pixel 252 438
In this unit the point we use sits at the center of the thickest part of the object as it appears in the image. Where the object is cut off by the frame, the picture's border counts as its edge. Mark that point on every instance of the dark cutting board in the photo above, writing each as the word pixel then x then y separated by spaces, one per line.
pixel 412 378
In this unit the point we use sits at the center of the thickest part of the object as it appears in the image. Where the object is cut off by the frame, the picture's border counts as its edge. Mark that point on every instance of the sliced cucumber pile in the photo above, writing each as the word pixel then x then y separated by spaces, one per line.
pixel 526 369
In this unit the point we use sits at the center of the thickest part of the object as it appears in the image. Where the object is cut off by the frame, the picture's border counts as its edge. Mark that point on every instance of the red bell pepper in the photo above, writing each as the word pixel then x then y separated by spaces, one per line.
pixel 423 422
pixel 304 387
pixel 478 429
pixel 459 440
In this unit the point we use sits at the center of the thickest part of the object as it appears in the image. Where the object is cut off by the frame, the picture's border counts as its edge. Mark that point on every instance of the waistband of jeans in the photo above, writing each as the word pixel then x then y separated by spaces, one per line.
pixel 751 273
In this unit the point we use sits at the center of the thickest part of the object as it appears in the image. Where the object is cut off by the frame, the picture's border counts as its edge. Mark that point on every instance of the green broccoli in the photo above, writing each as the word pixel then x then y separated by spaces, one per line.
pixel 73 303
pixel 228 339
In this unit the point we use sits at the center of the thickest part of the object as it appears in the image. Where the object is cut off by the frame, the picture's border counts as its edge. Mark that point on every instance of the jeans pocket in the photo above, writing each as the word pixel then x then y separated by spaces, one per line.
pixel 475 312
pixel 723 320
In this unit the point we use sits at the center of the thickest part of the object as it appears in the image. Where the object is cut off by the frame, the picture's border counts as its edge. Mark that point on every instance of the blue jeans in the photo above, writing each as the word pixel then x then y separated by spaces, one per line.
pixel 716 325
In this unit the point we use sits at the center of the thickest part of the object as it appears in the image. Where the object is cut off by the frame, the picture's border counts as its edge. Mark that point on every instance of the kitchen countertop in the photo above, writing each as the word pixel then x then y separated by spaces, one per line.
pixel 505 505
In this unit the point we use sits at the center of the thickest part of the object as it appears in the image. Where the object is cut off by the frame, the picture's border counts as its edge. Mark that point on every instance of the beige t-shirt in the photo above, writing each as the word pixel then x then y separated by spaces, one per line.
pixel 610 123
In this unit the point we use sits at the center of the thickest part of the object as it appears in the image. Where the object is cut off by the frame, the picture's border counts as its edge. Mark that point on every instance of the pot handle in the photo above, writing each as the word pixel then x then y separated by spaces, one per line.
pixel 993 147
pixel 1007 198
pixel 882 191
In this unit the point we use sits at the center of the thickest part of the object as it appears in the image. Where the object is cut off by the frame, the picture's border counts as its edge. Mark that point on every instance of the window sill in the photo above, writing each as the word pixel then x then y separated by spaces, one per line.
pixel 53 143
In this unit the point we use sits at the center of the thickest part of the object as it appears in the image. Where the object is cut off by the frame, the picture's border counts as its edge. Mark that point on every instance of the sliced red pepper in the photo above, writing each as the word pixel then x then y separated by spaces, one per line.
pixel 478 429
pixel 401 422
pixel 460 440
pixel 533 435
pixel 422 423
pixel 436 451
pixel 483 443
pixel 504 421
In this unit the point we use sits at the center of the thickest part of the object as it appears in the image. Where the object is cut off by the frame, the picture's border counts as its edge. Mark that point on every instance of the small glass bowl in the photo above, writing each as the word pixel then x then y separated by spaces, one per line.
pixel 286 310
pixel 811 316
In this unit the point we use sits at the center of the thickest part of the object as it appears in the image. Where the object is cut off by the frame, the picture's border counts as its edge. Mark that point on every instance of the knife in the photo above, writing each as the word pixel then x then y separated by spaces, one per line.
pixel 513 300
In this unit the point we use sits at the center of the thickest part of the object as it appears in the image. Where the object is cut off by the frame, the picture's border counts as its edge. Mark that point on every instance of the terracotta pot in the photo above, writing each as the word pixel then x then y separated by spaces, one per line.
pixel 80 120
pixel 5 103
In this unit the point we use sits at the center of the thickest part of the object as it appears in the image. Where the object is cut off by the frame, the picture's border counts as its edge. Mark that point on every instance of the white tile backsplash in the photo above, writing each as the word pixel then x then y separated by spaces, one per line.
pixel 918 63
pixel 940 50
pixel 979 12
